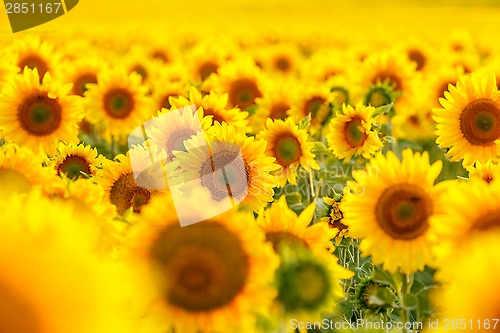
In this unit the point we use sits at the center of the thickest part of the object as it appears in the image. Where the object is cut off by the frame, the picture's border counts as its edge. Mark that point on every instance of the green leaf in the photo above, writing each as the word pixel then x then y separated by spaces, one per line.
pixel 383 109
pixel 306 122
pixel 410 301
pixel 319 147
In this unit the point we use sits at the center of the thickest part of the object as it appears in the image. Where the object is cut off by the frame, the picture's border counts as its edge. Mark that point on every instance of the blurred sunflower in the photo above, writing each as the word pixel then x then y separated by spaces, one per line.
pixel 476 309
pixel 118 102
pixel 469 121
pixel 229 164
pixel 131 180
pixel 172 127
pixel 164 88
pixel 80 72
pixel 49 243
pixel 314 100
pixel 351 133
pixel 37 115
pixel 390 208
pixel 290 146
pixel 214 105
pixel 212 276
pixel 21 170
pixel 76 161
pixel 7 68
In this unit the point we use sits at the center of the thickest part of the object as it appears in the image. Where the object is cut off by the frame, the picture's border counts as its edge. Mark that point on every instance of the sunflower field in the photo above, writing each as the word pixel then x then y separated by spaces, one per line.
pixel 260 167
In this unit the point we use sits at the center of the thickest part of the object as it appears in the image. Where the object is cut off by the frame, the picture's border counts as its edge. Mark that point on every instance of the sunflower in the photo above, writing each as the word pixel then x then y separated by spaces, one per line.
pixel 76 161
pixel 290 146
pixel 206 277
pixel 81 72
pixel 131 180
pixel 164 89
pixel 214 105
pixel 21 170
pixel 469 121
pixel 37 115
pixel 138 61
pixel 170 128
pixel 33 52
pixel 229 164
pixel 472 207
pixel 351 133
pixel 391 210
pixel 413 120
pixel 314 100
pixel 205 59
pixel 475 264
pixel 281 58
pixel 37 241
pixel 242 81
pixel 118 102
pixel 488 172
pixel 282 225
pixel 325 64
pixel 334 219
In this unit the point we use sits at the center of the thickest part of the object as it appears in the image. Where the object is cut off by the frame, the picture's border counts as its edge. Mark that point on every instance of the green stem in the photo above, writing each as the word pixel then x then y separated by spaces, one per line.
pixel 405 313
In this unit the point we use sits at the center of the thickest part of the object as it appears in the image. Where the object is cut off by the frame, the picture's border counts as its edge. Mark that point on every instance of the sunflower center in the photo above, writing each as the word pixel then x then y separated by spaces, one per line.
pixel 32 62
pixel 140 197
pixel 207 68
pixel 119 103
pixel 225 174
pixel 141 70
pixel 389 77
pixel 339 96
pixel 282 63
pixel 15 314
pixel 480 122
pixel 353 132
pixel 287 150
pixel 204 263
pixel 278 110
pixel 279 237
pixel 165 103
pixel 303 286
pixel 80 83
pixel 124 193
pixel 243 93
pixel 378 97
pixel 488 222
pixel 13 181
pixel 40 115
pixel 403 211
pixel 74 166
pixel 418 57
pixel 176 141
pixel 216 115
pixel 318 109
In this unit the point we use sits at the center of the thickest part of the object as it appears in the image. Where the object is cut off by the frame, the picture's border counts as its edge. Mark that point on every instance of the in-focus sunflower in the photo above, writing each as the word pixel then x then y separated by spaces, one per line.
pixel 21 170
pixel 335 219
pixel 38 240
pixel 488 172
pixel 76 161
pixel 469 121
pixel 131 180
pixel 390 208
pixel 472 295
pixel 214 105
pixel 212 276
pixel 351 133
pixel 229 164
pixel 38 116
pixel 172 127
pixel 290 146
pixel 118 103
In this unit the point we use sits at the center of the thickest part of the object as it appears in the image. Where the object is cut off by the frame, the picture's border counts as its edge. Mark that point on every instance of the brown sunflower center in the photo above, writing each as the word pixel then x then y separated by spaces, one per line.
pixel 339 96
pixel 225 174
pixel 34 61
pixel 40 115
pixel 480 122
pixel 243 92
pixel 15 314
pixel 389 77
pixel 207 68
pixel 80 83
pixel 318 108
pixel 287 149
pixel 141 70
pixel 119 103
pixel 125 193
pixel 403 211
pixel 204 263
pixel 278 110
pixel 418 57
pixel 488 221
pixel 282 63
pixel 354 134
pixel 160 55
pixel 216 116
pixel 165 102
pixel 277 238
pixel 74 166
